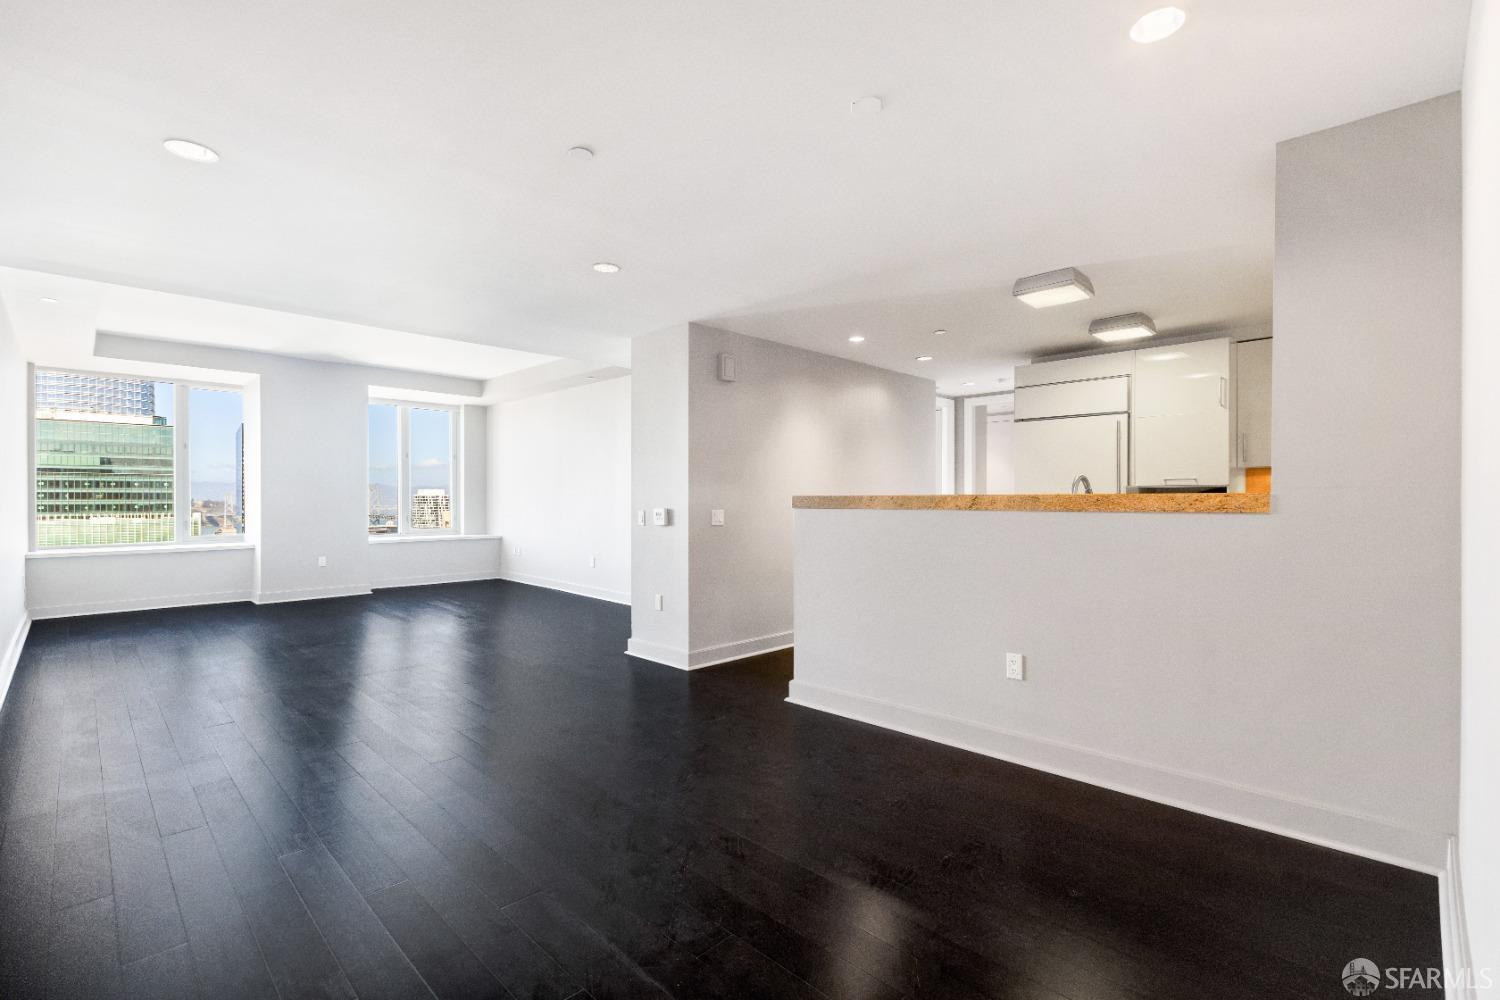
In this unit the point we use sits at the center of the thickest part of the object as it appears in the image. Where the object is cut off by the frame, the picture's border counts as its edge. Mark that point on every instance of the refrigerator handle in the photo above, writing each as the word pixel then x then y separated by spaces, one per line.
pixel 1119 488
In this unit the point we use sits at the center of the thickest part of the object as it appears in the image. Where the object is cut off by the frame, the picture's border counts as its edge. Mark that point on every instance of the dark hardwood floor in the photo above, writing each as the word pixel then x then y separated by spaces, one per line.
pixel 468 791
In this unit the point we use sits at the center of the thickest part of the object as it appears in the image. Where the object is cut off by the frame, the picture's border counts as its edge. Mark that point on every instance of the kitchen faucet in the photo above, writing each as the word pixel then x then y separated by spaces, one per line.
pixel 1087 487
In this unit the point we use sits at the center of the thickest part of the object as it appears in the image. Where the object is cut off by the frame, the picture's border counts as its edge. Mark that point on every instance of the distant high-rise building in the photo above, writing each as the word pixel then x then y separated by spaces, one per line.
pixel 431 509
pixel 103 462
pixel 64 391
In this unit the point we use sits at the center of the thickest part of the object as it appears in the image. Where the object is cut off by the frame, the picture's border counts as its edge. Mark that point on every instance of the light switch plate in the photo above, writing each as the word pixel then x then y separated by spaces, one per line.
pixel 716 517
pixel 640 517
pixel 1015 667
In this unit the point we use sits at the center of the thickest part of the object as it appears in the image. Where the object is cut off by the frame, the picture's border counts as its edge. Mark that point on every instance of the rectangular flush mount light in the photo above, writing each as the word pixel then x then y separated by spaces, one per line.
pixel 1131 326
pixel 1054 288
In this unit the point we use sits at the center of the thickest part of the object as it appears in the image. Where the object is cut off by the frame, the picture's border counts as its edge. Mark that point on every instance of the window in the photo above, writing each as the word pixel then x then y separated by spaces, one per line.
pixel 384 447
pixel 107 469
pixel 413 456
pixel 216 462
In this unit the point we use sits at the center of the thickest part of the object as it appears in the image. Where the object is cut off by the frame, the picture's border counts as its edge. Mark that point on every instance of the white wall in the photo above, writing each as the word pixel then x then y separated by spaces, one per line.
pixel 560 488
pixel 69 583
pixel 1296 670
pixel 793 421
pixel 306 494
pixel 14 502
pixel 1479 813
pixel 659 478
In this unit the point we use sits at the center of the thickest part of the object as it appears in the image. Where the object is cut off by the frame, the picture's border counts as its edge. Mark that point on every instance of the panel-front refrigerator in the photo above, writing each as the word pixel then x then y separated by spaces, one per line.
pixel 1073 429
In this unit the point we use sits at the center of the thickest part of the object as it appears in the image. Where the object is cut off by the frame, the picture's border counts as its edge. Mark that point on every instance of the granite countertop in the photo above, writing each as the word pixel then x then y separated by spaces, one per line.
pixel 1148 503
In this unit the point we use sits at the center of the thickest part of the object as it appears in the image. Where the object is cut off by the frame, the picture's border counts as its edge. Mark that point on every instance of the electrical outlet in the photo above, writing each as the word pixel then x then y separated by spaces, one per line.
pixel 515 550
pixel 661 516
pixel 658 602
pixel 716 517
pixel 1015 667
pixel 322 560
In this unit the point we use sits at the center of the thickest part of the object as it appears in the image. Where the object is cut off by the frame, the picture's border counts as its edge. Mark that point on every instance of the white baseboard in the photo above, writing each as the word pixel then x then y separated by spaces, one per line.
pixel 657 653
pixel 566 586
pixel 308 594
pixel 157 603
pixel 707 656
pixel 433 578
pixel 1326 826
pixel 11 658
pixel 1458 977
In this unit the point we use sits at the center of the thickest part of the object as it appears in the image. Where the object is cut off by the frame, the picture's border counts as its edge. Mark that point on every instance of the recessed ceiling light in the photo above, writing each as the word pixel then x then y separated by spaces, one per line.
pixel 968 383
pixel 1158 24
pixel 49 300
pixel 190 150
pixel 581 153
pixel 605 267
pixel 924 357
pixel 867 105
pixel 1131 326
pixel 856 339
pixel 1054 288
pixel 938 333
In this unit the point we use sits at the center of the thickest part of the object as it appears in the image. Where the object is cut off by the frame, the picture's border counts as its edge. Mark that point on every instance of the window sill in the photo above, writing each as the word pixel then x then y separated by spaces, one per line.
pixel 137 550
pixel 399 539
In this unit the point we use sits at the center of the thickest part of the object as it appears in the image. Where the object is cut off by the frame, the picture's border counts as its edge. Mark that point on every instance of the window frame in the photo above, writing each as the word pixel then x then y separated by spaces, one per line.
pixel 182 488
pixel 404 528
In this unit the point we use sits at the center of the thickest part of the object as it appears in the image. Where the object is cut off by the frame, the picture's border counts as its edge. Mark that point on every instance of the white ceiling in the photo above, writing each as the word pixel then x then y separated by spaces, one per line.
pixel 402 165
pixel 56 319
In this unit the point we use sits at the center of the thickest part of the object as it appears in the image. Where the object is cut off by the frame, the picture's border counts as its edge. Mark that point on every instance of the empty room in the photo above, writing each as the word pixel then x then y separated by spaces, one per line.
pixel 575 501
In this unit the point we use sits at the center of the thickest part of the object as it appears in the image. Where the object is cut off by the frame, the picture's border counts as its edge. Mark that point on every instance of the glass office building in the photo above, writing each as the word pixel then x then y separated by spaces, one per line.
pixel 104 463
pixel 95 394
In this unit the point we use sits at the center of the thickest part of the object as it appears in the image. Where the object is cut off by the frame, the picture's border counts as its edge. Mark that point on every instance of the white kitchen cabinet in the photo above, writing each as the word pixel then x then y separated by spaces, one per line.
pixel 1252 382
pixel 1073 399
pixel 1182 414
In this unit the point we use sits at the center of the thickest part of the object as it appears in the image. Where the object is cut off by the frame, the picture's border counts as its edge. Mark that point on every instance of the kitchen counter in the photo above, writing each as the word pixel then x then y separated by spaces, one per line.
pixel 1116 503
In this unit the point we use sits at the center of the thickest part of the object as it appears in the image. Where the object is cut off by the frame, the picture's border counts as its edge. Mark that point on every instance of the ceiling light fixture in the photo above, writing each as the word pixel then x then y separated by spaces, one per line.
pixel 1131 326
pixel 924 357
pixel 938 333
pixel 968 383
pixel 856 339
pixel 605 267
pixel 867 105
pixel 49 300
pixel 190 150
pixel 1054 288
pixel 1158 24
pixel 580 153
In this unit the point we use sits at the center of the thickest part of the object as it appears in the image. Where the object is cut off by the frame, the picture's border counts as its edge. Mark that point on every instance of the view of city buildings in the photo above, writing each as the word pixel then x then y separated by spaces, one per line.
pixel 105 465
pixel 430 509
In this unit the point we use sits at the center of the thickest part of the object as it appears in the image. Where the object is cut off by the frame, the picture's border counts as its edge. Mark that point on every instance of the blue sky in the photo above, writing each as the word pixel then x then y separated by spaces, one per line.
pixel 214 418
pixel 430 451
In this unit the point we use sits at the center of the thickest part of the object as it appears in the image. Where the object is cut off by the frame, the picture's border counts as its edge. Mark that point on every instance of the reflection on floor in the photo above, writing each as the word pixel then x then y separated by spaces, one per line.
pixel 468 791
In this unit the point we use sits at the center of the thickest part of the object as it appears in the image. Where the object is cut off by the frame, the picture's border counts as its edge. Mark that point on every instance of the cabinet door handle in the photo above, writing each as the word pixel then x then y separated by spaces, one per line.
pixel 1244 456
pixel 1224 392
pixel 1118 486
